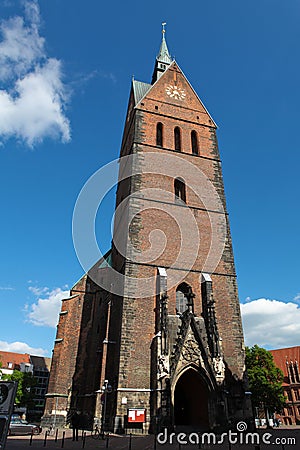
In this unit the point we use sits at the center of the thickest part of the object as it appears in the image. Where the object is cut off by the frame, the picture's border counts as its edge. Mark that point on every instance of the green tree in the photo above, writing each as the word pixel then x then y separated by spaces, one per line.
pixel 265 380
pixel 25 390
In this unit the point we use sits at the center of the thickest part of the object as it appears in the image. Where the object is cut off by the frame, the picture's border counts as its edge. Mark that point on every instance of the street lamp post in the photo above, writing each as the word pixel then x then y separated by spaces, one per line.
pixel 106 388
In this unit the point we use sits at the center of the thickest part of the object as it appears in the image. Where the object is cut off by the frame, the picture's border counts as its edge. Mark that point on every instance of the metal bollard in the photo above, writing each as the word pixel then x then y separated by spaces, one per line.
pixel 107 441
pixel 31 436
pixel 56 434
pixel 63 440
pixel 45 439
pixel 130 437
pixel 83 439
pixel 155 442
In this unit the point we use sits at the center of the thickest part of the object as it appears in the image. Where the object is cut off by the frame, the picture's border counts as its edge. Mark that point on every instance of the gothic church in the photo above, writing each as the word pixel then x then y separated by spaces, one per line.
pixel 154 329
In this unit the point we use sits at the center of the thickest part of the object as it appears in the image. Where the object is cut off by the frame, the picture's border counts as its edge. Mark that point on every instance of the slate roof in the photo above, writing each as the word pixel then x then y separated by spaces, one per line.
pixel 140 89
pixel 40 362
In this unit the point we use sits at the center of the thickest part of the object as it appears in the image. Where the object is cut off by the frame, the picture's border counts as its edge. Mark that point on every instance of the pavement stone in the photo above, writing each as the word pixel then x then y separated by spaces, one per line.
pixel 147 442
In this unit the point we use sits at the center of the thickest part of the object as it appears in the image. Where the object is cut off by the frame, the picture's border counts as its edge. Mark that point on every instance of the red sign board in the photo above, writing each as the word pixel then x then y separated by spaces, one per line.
pixel 136 415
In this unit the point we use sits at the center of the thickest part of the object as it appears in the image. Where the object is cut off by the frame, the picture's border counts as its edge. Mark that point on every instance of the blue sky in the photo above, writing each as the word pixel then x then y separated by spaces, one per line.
pixel 65 76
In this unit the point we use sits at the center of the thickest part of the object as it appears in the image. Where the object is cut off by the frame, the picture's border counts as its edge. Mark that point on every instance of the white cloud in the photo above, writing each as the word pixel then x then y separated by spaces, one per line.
pixel 33 101
pixel 6 288
pixel 44 312
pixel 271 323
pixel 22 347
pixel 37 290
pixel 297 298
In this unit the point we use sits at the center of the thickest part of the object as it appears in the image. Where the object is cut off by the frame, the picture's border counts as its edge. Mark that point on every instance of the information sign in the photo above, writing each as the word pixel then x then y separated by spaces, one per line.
pixel 7 397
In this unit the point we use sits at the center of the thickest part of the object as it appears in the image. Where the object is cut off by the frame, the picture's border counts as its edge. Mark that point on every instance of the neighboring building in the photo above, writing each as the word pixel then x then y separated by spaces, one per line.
pixel 39 366
pixel 165 329
pixel 15 361
pixel 287 359
pixel 41 372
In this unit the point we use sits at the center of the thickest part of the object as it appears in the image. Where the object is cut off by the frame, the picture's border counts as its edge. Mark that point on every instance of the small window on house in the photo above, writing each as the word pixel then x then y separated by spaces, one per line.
pixel 177 139
pixel 156 107
pixel 179 189
pixel 296 367
pixel 292 375
pixel 159 134
pixel 9 365
pixel 297 396
pixel 194 141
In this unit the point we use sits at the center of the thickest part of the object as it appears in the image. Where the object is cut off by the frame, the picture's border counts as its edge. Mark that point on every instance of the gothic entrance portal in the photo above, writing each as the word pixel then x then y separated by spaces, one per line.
pixel 191 401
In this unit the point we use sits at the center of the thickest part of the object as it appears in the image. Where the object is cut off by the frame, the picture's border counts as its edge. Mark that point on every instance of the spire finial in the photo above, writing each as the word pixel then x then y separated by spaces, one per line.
pixel 163 58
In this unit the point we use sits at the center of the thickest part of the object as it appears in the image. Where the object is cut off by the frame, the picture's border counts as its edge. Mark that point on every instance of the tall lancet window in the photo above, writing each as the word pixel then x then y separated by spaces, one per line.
pixel 194 141
pixel 179 189
pixel 181 298
pixel 177 139
pixel 159 134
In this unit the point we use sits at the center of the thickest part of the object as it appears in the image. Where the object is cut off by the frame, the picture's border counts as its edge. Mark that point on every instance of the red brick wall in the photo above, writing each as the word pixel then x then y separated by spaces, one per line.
pixel 138 314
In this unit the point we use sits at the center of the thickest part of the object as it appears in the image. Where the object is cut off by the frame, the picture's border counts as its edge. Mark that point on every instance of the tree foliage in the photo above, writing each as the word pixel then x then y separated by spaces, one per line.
pixel 265 379
pixel 25 389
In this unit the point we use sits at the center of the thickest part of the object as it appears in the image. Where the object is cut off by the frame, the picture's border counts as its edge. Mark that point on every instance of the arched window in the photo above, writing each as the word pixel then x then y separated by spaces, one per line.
pixel 194 141
pixel 182 298
pixel 159 134
pixel 177 139
pixel 179 189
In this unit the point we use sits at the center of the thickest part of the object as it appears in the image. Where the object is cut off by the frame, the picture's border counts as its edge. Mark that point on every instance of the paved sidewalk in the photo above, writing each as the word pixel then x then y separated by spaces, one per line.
pixel 148 442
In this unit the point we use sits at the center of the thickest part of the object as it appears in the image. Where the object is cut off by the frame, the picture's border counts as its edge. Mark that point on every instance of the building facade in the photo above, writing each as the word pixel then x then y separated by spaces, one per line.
pixel 158 318
pixel 11 361
pixel 39 367
pixel 287 359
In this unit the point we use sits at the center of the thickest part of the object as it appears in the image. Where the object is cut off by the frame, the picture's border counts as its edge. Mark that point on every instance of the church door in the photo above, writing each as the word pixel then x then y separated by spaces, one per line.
pixel 191 401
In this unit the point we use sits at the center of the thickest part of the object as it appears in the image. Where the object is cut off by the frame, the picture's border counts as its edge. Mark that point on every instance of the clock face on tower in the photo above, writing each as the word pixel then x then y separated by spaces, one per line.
pixel 175 91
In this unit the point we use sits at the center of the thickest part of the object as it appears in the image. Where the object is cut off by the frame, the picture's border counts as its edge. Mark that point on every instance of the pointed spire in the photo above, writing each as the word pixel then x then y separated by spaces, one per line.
pixel 163 59
pixel 164 55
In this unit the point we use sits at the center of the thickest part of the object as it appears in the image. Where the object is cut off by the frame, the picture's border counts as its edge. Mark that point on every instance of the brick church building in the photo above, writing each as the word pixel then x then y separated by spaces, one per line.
pixel 151 336
pixel 287 359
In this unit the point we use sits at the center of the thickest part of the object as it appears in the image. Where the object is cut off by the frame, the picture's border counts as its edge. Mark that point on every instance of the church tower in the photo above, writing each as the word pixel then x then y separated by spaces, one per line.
pixel 166 329
pixel 175 327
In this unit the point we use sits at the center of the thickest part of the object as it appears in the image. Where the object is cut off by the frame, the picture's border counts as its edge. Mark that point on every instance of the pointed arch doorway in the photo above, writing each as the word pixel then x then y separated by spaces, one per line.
pixel 191 401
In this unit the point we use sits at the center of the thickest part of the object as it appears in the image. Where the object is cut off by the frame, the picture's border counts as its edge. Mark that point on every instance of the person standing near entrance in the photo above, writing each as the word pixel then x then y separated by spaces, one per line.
pixel 75 419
